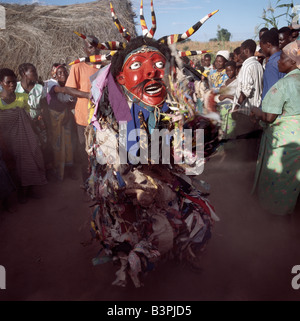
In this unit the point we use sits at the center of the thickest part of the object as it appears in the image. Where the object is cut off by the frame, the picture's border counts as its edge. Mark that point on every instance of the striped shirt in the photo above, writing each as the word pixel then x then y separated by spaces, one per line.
pixel 250 83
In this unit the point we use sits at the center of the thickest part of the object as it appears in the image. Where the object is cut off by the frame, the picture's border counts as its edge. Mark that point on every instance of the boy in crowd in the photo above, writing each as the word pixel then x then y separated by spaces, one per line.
pixel 285 37
pixel 250 79
pixel 269 44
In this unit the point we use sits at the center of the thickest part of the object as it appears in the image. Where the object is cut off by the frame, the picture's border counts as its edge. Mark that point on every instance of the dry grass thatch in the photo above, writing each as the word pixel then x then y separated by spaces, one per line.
pixel 43 35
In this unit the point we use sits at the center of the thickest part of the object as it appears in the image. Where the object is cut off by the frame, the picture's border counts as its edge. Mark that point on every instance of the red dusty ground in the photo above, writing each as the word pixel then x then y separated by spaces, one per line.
pixel 250 256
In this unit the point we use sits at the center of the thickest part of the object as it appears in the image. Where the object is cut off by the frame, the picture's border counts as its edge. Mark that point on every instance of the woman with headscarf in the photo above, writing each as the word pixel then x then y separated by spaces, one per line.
pixel 218 76
pixel 277 178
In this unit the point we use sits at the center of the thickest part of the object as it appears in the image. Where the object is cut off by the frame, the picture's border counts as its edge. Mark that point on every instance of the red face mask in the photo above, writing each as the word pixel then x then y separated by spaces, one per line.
pixel 142 76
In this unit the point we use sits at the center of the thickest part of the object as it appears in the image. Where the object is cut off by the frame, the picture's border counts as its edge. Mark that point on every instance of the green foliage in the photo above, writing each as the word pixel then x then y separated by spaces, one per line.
pixel 272 14
pixel 223 34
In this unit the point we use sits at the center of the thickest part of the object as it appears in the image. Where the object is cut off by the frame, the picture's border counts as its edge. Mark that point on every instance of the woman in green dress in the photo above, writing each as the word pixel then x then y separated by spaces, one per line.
pixel 277 178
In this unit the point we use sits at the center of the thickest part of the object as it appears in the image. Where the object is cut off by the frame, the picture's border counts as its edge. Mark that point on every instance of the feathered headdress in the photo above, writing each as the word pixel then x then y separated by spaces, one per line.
pixel 114 46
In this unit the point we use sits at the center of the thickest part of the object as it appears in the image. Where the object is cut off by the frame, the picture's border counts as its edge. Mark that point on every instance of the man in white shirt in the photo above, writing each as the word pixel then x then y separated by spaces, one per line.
pixel 248 94
pixel 249 80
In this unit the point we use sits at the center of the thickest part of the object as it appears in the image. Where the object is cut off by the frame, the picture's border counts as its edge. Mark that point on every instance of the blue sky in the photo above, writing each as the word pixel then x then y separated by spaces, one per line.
pixel 239 17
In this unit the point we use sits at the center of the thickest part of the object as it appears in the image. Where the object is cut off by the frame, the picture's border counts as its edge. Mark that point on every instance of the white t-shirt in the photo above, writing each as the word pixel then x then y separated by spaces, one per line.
pixel 48 84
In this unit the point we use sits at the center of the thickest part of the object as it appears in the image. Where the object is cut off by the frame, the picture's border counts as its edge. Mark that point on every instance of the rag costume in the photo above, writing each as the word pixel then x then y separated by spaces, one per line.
pixel 145 205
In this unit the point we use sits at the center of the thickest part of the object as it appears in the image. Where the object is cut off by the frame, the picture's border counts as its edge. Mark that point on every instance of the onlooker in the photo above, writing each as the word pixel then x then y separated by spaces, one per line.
pixel 227 91
pixel 217 77
pixel 29 85
pixel 237 59
pixel 207 63
pixel 277 178
pixel 269 43
pixel 78 85
pixel 225 100
pixel 274 29
pixel 285 37
pixel 249 80
pixel 48 84
pixel 198 65
pixel 20 140
pixel 261 58
pixel 61 121
pixel 258 51
pixel 295 34
pixel 262 31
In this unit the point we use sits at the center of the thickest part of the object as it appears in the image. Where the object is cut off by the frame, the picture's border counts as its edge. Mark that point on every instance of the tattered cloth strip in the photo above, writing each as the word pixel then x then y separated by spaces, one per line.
pixel 154 207
pixel 23 144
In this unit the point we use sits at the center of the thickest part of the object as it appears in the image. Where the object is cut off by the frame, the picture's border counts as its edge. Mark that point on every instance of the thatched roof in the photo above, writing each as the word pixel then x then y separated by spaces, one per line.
pixel 43 35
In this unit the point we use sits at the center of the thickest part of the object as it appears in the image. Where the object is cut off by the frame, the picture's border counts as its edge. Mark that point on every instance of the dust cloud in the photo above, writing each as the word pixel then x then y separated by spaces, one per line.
pixel 47 256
